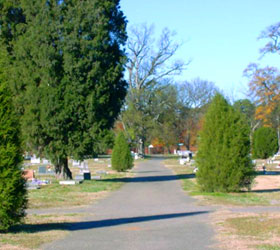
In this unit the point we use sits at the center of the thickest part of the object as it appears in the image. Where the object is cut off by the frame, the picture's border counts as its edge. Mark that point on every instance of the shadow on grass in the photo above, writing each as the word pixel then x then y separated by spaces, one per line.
pixel 84 225
pixel 267 173
pixel 156 178
pixel 265 190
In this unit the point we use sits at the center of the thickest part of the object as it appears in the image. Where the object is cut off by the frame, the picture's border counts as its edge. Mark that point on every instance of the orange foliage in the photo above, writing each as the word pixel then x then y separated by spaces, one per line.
pixel 156 142
pixel 119 126
pixel 264 86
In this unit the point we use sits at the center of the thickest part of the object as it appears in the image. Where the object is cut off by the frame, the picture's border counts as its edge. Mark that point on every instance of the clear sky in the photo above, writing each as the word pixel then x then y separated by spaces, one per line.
pixel 220 36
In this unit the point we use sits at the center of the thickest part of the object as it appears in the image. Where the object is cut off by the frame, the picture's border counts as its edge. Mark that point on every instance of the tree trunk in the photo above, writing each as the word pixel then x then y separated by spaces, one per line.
pixel 67 174
pixel 142 147
pixel 187 141
pixel 278 133
pixel 57 169
pixel 62 170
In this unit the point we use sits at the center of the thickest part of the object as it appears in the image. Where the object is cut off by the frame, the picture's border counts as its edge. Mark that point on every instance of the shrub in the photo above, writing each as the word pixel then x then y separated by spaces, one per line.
pixel 12 185
pixel 265 142
pixel 121 156
pixel 223 158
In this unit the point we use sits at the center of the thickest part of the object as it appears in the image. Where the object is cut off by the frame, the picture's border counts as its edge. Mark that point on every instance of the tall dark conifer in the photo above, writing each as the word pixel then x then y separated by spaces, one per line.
pixel 68 75
pixel 12 185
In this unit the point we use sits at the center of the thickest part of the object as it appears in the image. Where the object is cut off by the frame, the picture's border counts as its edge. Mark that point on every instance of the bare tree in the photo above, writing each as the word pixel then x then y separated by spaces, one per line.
pixel 150 64
pixel 149 61
pixel 273 34
pixel 194 96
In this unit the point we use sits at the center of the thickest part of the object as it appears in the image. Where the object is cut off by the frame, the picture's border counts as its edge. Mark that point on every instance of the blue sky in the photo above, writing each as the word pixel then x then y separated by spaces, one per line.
pixel 220 36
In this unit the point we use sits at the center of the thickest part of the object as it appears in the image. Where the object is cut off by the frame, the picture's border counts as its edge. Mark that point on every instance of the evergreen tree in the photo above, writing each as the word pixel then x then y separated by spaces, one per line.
pixel 68 71
pixel 121 156
pixel 223 158
pixel 265 142
pixel 12 185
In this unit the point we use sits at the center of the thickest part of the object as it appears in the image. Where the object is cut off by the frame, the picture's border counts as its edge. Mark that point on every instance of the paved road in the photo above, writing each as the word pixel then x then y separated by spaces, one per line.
pixel 149 212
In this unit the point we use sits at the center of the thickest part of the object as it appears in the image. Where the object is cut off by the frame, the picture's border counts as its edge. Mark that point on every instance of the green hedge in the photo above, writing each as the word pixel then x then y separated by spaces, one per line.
pixel 265 143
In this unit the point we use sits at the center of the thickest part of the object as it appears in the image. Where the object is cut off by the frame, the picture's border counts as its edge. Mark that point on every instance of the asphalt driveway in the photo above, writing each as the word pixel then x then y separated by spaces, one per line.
pixel 149 212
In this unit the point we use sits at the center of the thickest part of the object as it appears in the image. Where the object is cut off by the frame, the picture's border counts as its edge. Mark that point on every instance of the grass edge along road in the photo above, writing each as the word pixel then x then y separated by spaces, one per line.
pixel 242 230
pixel 37 230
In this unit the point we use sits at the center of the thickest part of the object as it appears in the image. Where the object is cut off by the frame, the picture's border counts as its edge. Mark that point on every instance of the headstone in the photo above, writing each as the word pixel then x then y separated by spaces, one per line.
pixel 76 163
pixel 42 170
pixel 45 161
pixel 32 185
pixel 96 159
pixel 79 177
pixel 35 160
pixel 101 172
pixel 87 175
pixel 183 161
pixel 96 177
pixel 28 174
pixel 69 182
pixel 44 182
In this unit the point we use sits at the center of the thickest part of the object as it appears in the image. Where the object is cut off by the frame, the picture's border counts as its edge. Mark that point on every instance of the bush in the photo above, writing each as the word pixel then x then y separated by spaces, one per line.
pixel 12 185
pixel 223 158
pixel 121 156
pixel 265 143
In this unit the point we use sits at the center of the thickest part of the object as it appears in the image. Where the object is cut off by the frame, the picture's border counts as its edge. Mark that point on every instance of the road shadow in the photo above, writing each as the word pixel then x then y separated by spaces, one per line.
pixel 155 178
pixel 84 225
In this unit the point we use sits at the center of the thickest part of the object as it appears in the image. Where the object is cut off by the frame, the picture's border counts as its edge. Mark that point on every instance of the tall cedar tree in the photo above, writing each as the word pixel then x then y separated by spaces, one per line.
pixel 223 158
pixel 69 64
pixel 121 156
pixel 12 186
pixel 265 142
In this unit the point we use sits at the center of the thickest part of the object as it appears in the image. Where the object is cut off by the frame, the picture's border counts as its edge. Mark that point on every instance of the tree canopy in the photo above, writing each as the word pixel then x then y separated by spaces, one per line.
pixel 67 79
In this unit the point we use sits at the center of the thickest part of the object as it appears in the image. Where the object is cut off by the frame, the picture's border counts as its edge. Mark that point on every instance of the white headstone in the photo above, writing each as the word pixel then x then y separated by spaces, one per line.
pixel 35 160
pixel 45 161
pixel 76 163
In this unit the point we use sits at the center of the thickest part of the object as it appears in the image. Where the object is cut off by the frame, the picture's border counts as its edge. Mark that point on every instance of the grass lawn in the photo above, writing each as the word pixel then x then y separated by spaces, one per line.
pixel 56 195
pixel 241 230
pixel 231 199
pixel 39 229
pixel 248 230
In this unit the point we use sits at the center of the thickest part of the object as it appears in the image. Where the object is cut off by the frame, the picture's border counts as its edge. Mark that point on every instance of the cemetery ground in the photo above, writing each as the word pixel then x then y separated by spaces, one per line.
pixel 245 220
pixel 55 203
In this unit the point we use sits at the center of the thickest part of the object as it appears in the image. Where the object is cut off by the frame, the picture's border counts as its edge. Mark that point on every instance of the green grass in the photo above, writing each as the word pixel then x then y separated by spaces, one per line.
pixel 56 195
pixel 37 230
pixel 238 199
pixel 261 227
pixel 268 247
